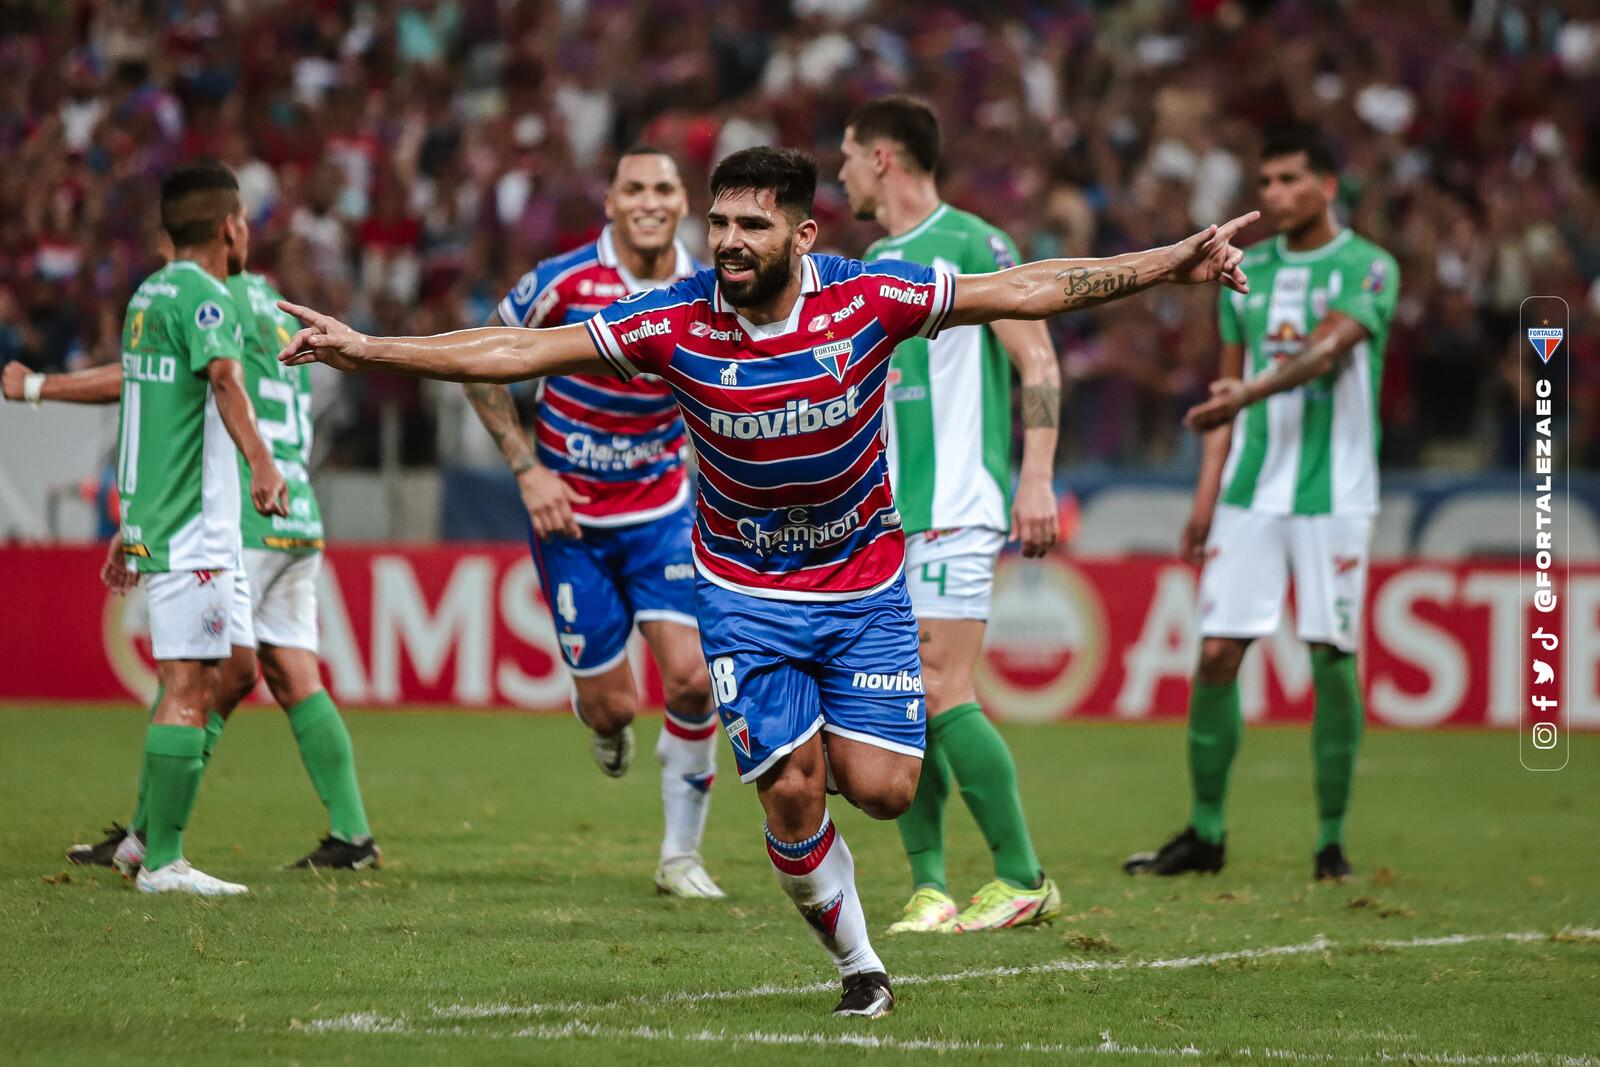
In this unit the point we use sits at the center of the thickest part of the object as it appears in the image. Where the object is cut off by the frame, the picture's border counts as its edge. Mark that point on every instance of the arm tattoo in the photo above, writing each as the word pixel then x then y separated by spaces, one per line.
pixel 1041 406
pixel 498 412
pixel 1085 286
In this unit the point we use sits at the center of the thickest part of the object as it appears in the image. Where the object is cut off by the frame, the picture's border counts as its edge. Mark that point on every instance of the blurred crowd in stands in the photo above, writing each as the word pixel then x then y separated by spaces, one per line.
pixel 404 162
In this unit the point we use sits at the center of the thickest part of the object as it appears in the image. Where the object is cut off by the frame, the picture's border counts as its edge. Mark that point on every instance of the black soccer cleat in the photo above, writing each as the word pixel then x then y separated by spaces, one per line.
pixel 1185 852
pixel 335 854
pixel 99 855
pixel 1331 864
pixel 866 994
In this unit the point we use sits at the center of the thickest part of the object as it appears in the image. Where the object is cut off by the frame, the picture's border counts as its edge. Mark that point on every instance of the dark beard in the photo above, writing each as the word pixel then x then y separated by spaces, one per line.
pixel 768 281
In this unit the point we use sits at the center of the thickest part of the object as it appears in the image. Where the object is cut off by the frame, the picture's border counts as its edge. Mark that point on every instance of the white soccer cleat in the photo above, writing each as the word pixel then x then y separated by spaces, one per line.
pixel 685 876
pixel 129 855
pixel 179 877
pixel 614 754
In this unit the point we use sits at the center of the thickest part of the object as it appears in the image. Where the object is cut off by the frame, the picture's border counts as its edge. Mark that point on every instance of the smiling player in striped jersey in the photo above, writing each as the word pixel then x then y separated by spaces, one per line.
pixel 609 512
pixel 1291 450
pixel 950 458
pixel 779 359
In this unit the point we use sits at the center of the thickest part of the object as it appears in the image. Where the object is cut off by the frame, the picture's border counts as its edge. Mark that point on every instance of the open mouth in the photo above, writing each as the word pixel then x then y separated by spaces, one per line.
pixel 736 271
pixel 649 226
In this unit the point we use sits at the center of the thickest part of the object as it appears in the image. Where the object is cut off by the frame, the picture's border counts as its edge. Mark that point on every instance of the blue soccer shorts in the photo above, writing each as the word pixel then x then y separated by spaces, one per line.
pixel 599 585
pixel 781 671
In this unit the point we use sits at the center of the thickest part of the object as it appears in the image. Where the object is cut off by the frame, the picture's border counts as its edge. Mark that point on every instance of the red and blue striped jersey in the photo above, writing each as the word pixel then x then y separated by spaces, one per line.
pixel 619 444
pixel 787 419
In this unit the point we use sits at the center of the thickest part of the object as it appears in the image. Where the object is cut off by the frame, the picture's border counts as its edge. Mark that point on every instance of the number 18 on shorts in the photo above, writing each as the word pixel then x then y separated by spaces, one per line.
pixel 781 671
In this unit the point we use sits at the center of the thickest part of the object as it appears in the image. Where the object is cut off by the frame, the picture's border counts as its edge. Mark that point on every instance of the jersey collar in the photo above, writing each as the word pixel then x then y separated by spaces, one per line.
pixel 915 231
pixel 606 251
pixel 810 282
pixel 1311 255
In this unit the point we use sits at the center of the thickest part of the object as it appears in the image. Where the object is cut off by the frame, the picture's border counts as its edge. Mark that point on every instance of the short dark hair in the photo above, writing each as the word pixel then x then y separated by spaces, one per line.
pixel 195 200
pixel 639 150
pixel 788 172
pixel 905 120
pixel 1290 138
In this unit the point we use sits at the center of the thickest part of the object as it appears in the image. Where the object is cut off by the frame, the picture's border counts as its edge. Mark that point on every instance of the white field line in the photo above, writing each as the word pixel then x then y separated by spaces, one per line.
pixel 1068 966
pixel 368 1023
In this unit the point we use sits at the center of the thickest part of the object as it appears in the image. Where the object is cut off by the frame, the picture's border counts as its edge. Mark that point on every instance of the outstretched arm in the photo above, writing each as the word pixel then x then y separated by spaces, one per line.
pixel 1327 348
pixel 487 354
pixel 1052 286
pixel 94 385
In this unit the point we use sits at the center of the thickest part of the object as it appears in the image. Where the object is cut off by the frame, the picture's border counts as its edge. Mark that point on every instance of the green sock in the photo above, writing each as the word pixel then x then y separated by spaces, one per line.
pixel 1335 737
pixel 331 763
pixel 173 766
pixel 987 777
pixel 140 815
pixel 922 826
pixel 214 725
pixel 1215 726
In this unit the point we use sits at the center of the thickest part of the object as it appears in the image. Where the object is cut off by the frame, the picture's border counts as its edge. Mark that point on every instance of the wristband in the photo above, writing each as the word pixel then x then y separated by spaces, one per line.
pixel 33 388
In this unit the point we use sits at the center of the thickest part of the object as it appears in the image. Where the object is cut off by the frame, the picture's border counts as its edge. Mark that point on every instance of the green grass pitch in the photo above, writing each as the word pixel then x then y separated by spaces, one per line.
pixel 515 920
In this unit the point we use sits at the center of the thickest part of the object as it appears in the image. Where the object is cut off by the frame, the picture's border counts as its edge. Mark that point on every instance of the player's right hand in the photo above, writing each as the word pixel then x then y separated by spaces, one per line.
pixel 323 340
pixel 549 502
pixel 11 379
pixel 1192 540
pixel 269 494
pixel 118 577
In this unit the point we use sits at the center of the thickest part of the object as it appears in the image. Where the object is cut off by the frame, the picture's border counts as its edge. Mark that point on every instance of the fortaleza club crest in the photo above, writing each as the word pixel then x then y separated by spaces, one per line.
pixel 1545 340
pixel 739 733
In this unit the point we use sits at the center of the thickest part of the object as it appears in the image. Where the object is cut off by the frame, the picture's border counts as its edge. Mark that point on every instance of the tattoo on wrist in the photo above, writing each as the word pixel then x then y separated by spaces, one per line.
pixel 1041 406
pixel 522 464
pixel 1088 285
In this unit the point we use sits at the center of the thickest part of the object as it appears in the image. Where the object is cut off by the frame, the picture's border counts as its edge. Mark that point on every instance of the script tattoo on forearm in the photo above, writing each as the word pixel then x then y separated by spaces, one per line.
pixel 1084 286
pixel 1041 406
pixel 498 412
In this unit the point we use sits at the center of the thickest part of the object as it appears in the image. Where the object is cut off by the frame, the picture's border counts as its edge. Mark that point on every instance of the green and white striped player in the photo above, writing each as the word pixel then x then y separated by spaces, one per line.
pixel 1288 486
pixel 275 597
pixel 950 463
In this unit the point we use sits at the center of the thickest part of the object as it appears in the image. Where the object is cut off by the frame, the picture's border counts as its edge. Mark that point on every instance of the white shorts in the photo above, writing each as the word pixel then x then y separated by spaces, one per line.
pixel 284 587
pixel 950 573
pixel 198 614
pixel 1249 557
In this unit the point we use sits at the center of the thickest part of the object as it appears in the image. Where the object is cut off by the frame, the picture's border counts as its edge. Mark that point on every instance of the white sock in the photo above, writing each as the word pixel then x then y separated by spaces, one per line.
pixel 820 877
pixel 687 752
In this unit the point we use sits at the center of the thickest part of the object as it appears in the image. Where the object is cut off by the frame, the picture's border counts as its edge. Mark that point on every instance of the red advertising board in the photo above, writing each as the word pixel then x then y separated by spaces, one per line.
pixel 466 626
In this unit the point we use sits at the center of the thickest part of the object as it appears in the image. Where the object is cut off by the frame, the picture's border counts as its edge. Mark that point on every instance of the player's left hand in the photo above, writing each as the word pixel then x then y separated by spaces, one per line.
pixel 118 577
pixel 1209 256
pixel 323 340
pixel 11 379
pixel 1227 399
pixel 1035 519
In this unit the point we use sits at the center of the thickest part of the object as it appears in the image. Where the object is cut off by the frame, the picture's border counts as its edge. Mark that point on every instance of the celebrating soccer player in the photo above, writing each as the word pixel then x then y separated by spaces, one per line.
pixel 949 461
pixel 779 359
pixel 1291 452
pixel 609 511
pixel 282 556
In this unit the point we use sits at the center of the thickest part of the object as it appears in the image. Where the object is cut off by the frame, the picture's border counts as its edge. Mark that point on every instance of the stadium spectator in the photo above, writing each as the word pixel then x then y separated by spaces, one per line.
pixel 411 155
